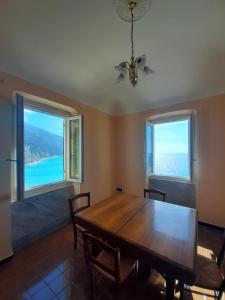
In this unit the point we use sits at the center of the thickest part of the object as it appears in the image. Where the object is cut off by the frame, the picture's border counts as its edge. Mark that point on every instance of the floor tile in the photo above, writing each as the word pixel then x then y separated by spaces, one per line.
pixel 58 284
pixel 72 292
pixel 36 287
pixel 52 275
pixel 26 296
pixel 43 294
pixel 50 271
pixel 63 266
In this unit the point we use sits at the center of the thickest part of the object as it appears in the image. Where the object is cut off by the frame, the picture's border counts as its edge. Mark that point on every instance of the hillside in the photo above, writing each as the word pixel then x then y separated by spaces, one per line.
pixel 41 144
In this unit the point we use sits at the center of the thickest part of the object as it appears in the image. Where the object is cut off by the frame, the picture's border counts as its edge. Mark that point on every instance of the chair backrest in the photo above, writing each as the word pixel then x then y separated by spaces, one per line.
pixel 221 255
pixel 91 242
pixel 73 202
pixel 221 262
pixel 154 191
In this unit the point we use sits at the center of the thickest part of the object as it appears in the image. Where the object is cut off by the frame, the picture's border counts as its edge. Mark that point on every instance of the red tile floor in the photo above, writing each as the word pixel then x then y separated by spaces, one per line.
pixel 50 269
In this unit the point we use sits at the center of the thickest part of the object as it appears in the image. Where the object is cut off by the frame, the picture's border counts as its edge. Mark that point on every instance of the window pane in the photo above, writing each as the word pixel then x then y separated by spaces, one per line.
pixel 149 158
pixel 171 149
pixel 74 148
pixel 43 147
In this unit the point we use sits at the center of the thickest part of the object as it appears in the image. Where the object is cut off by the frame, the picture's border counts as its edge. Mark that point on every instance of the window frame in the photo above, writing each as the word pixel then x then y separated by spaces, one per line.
pixel 49 107
pixel 68 176
pixel 167 118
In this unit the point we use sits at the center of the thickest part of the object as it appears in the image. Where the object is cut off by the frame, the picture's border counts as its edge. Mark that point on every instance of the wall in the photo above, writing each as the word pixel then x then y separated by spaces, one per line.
pixel 35 217
pixel 114 148
pixel 39 215
pixel 99 162
pixel 5 218
pixel 179 193
pixel 210 126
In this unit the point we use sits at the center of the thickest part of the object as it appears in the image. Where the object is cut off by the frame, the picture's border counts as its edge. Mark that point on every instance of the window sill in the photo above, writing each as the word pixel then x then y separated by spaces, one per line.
pixel 172 179
pixel 46 188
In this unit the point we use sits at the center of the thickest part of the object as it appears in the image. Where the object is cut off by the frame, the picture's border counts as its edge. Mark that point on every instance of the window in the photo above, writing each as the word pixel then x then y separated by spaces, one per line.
pixel 49 147
pixel 43 148
pixel 168 147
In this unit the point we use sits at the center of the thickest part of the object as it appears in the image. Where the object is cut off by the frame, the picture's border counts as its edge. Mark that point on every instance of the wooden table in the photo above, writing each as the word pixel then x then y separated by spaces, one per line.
pixel 112 213
pixel 160 234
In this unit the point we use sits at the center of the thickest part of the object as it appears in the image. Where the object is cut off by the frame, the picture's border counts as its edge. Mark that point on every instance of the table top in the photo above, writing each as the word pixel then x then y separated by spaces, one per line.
pixel 166 230
pixel 160 233
pixel 112 213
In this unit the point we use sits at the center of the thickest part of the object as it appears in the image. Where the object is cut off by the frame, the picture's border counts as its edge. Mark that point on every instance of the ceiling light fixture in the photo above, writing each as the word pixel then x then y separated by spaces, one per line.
pixel 131 11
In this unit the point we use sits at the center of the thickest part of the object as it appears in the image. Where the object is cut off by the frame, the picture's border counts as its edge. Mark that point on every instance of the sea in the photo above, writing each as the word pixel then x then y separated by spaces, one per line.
pixel 46 171
pixel 50 170
pixel 172 164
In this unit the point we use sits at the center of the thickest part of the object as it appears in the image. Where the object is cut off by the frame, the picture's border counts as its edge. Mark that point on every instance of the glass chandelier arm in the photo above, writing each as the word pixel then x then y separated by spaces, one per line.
pixel 147 70
pixel 127 65
pixel 120 78
pixel 123 67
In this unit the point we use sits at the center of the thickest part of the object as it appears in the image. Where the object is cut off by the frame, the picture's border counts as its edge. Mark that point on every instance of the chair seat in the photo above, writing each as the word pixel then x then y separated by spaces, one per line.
pixel 208 274
pixel 127 265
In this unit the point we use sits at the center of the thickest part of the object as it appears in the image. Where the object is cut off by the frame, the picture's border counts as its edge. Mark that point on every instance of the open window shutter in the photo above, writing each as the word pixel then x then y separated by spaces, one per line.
pixel 20 146
pixel 74 146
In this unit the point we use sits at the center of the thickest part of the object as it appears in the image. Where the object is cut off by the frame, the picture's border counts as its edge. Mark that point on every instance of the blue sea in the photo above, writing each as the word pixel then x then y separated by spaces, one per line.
pixel 51 170
pixel 172 164
pixel 47 171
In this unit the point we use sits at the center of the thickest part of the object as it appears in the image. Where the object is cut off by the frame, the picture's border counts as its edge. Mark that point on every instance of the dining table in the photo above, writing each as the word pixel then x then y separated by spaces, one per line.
pixel 159 234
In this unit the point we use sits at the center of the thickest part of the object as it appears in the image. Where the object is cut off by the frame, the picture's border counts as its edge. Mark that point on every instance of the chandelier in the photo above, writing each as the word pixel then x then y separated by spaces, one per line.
pixel 131 11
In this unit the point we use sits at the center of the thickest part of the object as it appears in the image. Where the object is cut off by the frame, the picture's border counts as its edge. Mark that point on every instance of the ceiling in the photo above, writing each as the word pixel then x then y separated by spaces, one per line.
pixel 72 46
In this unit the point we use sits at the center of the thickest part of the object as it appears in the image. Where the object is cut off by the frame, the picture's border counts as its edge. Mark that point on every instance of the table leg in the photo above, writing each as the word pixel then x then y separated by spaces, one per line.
pixel 170 286
pixel 144 270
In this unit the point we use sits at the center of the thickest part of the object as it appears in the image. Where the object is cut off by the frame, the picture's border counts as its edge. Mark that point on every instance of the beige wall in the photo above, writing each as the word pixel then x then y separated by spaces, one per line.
pixel 114 148
pixel 99 163
pixel 130 138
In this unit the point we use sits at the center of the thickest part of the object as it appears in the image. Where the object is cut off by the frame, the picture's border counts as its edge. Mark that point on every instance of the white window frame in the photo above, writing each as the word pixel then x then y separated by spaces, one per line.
pixel 166 118
pixel 66 115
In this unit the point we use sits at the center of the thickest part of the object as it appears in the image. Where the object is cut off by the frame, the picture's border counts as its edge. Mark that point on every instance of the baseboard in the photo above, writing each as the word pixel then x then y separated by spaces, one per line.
pixel 211 226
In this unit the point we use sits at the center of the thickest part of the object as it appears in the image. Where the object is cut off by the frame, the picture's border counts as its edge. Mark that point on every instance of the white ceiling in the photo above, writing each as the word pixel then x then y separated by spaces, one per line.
pixel 72 46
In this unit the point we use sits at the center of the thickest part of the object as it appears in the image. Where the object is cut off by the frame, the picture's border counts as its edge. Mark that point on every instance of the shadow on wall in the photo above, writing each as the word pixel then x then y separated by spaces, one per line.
pixel 176 192
pixel 37 216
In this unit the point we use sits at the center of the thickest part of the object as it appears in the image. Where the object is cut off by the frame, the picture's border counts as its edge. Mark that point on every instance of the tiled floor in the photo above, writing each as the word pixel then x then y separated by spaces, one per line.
pixel 51 269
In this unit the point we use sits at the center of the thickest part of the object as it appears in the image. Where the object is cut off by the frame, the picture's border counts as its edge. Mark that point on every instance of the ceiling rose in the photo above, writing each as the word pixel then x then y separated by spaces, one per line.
pixel 140 8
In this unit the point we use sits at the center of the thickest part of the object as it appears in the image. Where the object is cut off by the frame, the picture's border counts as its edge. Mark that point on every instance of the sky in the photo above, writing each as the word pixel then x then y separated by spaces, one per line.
pixel 169 137
pixel 44 121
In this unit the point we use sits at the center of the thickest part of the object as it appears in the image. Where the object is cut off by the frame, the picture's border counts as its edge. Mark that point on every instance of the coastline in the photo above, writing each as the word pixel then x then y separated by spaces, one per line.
pixel 40 160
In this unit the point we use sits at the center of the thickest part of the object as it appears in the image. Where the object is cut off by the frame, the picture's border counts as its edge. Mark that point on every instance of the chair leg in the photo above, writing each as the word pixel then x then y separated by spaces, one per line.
pixel 75 238
pixel 85 251
pixel 92 285
pixel 136 278
pixel 220 295
pixel 181 288
pixel 117 293
pixel 170 286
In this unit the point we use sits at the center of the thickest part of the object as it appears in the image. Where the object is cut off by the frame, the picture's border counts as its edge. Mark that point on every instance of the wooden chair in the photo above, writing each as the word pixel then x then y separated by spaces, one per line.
pixel 74 209
pixel 108 264
pixel 210 274
pixel 154 191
